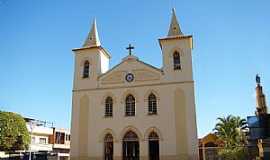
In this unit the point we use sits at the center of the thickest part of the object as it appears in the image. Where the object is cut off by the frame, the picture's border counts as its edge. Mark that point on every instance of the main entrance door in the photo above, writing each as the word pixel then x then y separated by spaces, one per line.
pixel 131 148
pixel 153 146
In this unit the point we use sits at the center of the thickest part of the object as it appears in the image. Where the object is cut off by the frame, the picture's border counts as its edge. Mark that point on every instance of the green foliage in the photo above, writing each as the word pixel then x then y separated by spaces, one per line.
pixel 237 153
pixel 13 132
pixel 231 131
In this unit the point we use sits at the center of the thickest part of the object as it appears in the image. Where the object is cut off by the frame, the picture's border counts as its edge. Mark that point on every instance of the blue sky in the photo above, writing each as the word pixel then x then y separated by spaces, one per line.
pixel 231 45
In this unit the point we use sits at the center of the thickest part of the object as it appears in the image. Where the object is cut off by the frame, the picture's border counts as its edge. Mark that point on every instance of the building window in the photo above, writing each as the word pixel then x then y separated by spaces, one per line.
pixel 130 105
pixel 86 69
pixel 109 107
pixel 42 140
pixel 176 61
pixel 152 104
pixel 59 138
pixel 33 140
pixel 67 137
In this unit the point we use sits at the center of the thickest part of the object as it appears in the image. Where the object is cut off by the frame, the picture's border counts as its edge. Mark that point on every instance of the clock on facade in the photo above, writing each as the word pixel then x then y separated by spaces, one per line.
pixel 129 77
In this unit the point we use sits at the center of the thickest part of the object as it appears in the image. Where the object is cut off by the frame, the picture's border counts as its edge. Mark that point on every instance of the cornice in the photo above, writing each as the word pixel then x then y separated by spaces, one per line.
pixel 175 37
pixel 93 47
pixel 133 86
pixel 180 37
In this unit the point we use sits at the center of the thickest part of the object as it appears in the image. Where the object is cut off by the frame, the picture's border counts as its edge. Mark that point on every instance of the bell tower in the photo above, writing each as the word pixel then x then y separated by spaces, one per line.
pixel 91 60
pixel 176 52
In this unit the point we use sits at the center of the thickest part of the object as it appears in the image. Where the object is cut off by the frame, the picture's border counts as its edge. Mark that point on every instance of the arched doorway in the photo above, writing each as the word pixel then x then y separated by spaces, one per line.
pixel 108 147
pixel 131 148
pixel 153 140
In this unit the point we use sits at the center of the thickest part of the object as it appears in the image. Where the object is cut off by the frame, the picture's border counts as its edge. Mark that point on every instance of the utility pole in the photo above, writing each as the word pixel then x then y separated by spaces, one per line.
pixel 31 125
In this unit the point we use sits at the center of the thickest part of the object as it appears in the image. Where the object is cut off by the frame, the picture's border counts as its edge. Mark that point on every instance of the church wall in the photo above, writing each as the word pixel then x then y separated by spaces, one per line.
pixel 77 128
pixel 74 125
pixel 181 122
pixel 83 125
pixel 184 96
pixel 166 115
pixel 191 123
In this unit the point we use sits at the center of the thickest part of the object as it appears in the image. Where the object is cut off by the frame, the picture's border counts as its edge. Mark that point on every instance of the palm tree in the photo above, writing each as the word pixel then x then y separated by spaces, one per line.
pixel 231 130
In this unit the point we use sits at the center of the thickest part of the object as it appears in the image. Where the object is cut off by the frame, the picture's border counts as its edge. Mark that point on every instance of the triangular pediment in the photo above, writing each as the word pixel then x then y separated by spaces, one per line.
pixel 141 71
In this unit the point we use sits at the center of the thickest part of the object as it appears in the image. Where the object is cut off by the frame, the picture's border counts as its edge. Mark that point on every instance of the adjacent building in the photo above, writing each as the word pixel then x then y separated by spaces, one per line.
pixel 209 146
pixel 45 138
pixel 41 133
pixel 61 143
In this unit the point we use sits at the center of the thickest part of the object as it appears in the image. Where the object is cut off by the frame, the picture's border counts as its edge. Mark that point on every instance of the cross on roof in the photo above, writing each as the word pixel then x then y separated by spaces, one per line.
pixel 129 48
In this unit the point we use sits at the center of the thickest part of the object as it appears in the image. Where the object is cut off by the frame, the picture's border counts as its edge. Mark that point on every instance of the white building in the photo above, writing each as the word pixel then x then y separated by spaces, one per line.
pixel 134 110
pixel 40 135
pixel 46 138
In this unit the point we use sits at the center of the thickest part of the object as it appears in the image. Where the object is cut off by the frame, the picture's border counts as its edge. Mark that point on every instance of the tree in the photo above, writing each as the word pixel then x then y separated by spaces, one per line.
pixel 231 130
pixel 13 132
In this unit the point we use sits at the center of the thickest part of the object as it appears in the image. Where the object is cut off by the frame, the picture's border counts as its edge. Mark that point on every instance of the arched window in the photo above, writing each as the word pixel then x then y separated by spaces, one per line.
pixel 108 147
pixel 176 61
pixel 152 104
pixel 153 141
pixel 130 136
pixel 86 69
pixel 130 105
pixel 153 136
pixel 109 107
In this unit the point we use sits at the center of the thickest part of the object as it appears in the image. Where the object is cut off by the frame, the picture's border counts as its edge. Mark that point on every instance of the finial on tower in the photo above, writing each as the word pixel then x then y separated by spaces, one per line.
pixel 174 26
pixel 92 39
pixel 258 79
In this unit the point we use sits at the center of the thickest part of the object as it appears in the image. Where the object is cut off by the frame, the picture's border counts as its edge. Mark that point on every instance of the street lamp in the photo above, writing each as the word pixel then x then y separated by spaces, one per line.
pixel 32 126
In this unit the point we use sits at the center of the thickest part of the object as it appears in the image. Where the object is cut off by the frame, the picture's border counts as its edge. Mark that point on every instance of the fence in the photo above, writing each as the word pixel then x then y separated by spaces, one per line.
pixel 212 153
pixel 34 156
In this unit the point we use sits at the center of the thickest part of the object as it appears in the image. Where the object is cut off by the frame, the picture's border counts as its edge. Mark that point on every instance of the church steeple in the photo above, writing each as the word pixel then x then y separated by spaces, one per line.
pixel 174 26
pixel 261 108
pixel 177 53
pixel 93 39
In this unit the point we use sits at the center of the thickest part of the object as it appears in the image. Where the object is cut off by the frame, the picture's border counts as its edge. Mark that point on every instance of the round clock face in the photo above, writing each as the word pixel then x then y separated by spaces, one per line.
pixel 129 77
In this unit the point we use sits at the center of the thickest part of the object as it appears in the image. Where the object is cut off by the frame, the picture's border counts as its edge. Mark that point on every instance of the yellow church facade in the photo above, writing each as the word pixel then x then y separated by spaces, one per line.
pixel 134 111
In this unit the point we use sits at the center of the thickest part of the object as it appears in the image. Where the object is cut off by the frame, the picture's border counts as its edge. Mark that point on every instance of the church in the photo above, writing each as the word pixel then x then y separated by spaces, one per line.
pixel 134 111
